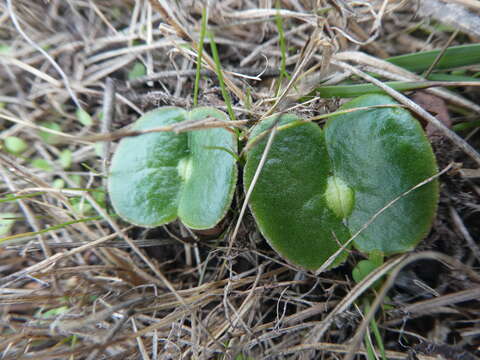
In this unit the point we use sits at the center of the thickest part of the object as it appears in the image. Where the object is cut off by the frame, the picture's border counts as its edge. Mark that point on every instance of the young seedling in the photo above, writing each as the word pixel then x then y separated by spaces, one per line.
pixel 15 145
pixel 158 177
pixel 319 187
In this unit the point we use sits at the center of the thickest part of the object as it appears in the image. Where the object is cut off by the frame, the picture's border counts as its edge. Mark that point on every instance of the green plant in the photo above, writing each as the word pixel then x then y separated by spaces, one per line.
pixel 15 145
pixel 318 187
pixel 84 117
pixel 357 177
pixel 160 176
pixel 419 62
pixel 138 70
pixel 48 137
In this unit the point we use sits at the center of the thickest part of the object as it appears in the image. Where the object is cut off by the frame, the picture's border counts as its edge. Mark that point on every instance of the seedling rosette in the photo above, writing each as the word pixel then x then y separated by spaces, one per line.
pixel 158 177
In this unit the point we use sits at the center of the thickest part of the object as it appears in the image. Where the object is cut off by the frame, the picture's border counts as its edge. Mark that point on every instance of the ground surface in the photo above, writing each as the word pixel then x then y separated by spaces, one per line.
pixel 77 283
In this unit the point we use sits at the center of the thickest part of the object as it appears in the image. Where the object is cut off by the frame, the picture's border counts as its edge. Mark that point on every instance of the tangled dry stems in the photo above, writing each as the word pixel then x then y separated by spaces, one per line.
pixel 102 289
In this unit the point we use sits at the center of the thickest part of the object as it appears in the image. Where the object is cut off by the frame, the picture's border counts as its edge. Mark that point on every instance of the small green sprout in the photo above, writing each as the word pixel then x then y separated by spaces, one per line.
pixel 15 145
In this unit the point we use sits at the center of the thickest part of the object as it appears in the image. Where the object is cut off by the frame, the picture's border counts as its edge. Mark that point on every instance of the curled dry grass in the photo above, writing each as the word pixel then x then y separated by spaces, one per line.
pixel 77 283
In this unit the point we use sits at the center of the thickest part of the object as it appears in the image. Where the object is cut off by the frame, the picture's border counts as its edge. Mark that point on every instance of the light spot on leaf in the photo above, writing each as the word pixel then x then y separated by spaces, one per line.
pixel 340 197
pixel 184 168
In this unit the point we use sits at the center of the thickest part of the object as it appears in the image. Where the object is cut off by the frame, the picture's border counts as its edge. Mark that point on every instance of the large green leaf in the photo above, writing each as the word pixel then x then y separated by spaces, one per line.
pixel 382 153
pixel 288 200
pixel 155 178
pixel 318 187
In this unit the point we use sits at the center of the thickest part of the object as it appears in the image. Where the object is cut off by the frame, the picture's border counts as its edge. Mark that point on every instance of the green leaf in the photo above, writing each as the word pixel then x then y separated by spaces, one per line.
pixel 288 201
pixel 155 178
pixel 208 191
pixel 81 206
pixel 84 117
pixel 58 183
pixel 138 70
pixel 48 137
pixel 362 270
pixel 77 179
pixel 98 146
pixel 15 145
pixel 52 312
pixel 41 164
pixel 382 153
pixel 5 49
pixel 65 159
pixel 317 188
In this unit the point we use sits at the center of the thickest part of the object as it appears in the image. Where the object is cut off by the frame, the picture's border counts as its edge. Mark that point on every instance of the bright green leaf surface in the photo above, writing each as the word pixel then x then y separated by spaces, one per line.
pixel 340 197
pixel 65 158
pixel 319 187
pixel 58 184
pixel 41 164
pixel 84 117
pixel 15 145
pixel 144 182
pixel 212 176
pixel 157 177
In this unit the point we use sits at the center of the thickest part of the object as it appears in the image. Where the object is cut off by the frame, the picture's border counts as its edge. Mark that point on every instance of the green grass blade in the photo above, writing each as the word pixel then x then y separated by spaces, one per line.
pixel 464 126
pixel 350 91
pixel 369 347
pixel 451 77
pixel 378 338
pixel 455 56
pixel 375 331
pixel 50 228
pixel 203 30
pixel 26 196
pixel 218 65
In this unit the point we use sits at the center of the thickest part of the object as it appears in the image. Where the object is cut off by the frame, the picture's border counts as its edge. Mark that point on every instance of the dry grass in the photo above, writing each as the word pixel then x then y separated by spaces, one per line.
pixel 77 283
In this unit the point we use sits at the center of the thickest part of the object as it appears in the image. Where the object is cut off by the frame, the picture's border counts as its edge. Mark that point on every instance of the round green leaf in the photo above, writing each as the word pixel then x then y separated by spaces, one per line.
pixel 317 188
pixel 289 199
pixel 155 178
pixel 41 164
pixel 65 158
pixel 144 181
pixel 363 268
pixel 381 153
pixel 15 145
